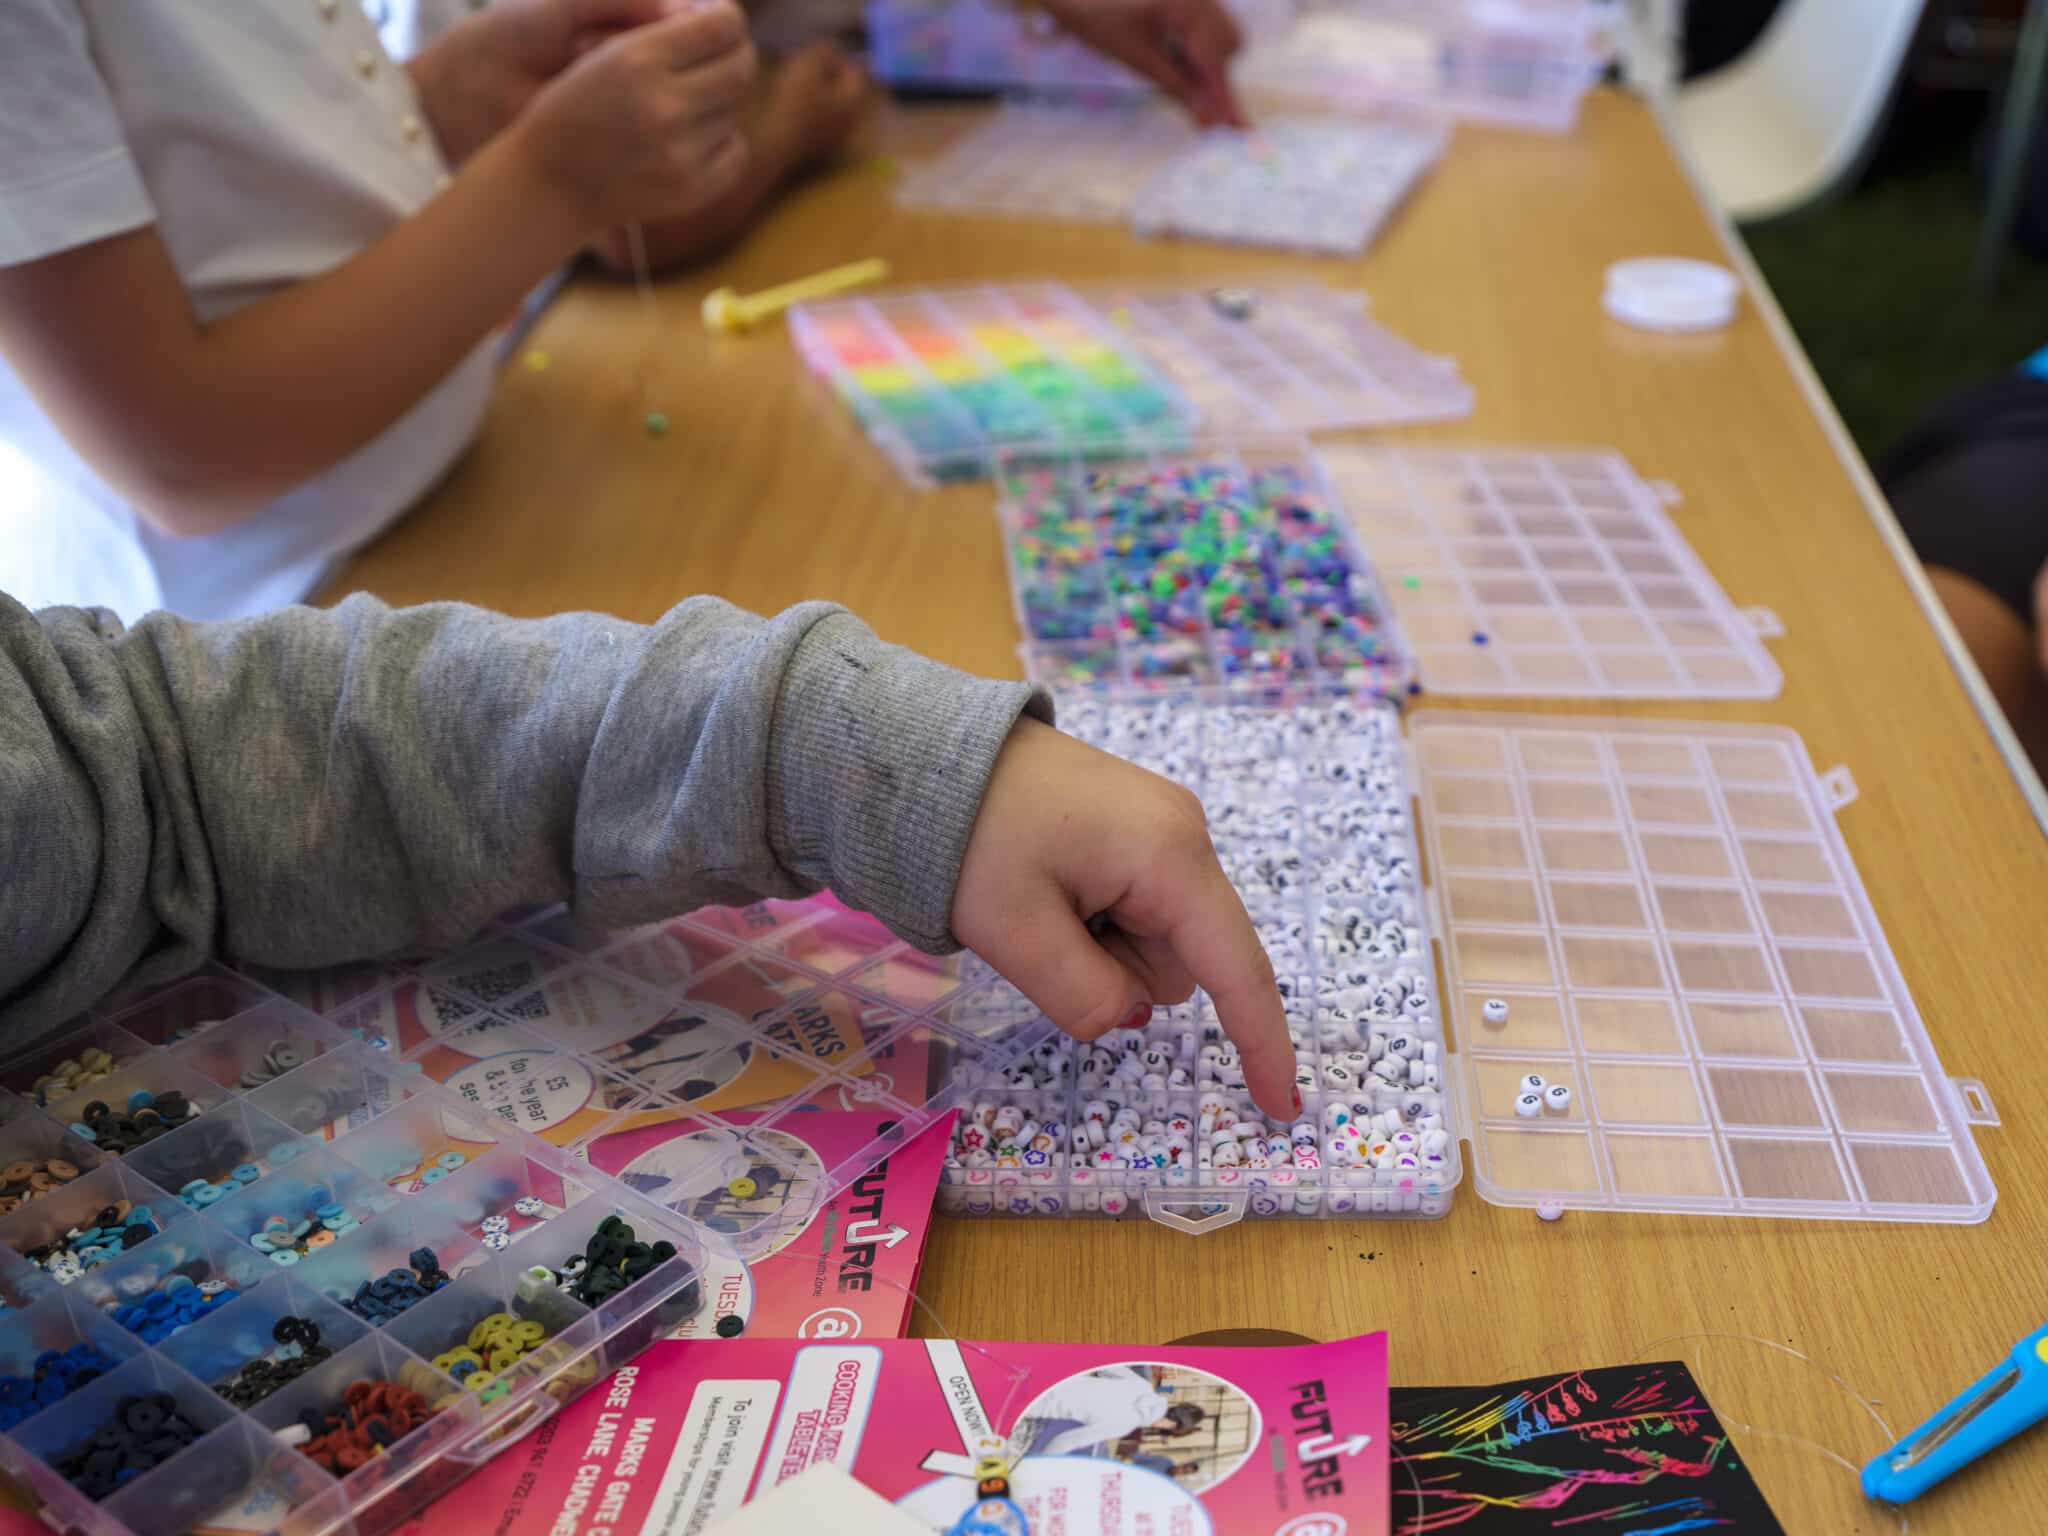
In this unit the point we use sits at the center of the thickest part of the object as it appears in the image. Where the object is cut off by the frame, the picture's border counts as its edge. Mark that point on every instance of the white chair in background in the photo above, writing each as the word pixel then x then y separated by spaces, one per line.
pixel 1796 117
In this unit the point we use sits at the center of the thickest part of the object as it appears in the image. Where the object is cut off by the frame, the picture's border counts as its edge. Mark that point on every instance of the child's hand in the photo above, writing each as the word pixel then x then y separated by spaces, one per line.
pixel 815 100
pixel 645 125
pixel 1182 46
pixel 478 75
pixel 1066 833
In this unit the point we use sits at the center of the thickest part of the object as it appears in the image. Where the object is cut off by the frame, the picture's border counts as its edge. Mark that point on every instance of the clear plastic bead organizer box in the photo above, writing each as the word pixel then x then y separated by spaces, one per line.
pixel 942 380
pixel 1317 184
pixel 1511 63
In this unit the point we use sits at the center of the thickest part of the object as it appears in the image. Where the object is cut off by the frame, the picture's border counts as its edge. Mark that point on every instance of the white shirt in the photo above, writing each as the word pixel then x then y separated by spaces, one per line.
pixel 267 141
pixel 1110 1404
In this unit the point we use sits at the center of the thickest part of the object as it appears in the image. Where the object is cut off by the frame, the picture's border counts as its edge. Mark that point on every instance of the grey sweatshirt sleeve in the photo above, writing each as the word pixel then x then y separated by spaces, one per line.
pixel 315 786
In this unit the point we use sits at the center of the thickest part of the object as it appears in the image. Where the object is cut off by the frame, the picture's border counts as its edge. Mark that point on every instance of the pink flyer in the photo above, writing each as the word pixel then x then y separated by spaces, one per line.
pixel 1154 1440
pixel 837 1268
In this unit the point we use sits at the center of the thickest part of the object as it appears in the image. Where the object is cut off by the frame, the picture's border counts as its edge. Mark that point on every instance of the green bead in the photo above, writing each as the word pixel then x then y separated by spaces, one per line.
pixel 657 424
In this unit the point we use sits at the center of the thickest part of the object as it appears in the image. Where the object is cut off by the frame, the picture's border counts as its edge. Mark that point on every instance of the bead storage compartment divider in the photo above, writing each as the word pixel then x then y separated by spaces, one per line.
pixel 1228 563
pixel 1308 805
pixel 123 1356
pixel 1299 183
pixel 943 378
pixel 1684 945
pixel 1547 574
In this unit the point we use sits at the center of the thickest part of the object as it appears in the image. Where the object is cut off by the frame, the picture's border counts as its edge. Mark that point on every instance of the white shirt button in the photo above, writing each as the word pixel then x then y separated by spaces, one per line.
pixel 328 8
pixel 409 128
pixel 366 63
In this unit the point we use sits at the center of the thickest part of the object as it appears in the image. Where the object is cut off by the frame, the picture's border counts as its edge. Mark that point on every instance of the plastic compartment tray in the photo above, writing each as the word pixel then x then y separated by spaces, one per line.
pixel 1547 574
pixel 351 1123
pixel 792 1045
pixel 1300 183
pixel 1226 563
pixel 1281 782
pixel 1326 185
pixel 1682 941
pixel 1038 161
pixel 944 378
pixel 1513 63
pixel 973 45
pixel 1271 356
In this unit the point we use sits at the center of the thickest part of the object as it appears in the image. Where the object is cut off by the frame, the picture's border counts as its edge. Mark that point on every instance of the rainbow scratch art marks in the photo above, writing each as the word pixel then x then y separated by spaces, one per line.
pixel 1629 1450
pixel 1219 565
pixel 940 380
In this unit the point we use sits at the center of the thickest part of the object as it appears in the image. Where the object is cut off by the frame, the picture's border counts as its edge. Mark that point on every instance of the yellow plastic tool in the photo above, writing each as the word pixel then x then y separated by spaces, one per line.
pixel 725 310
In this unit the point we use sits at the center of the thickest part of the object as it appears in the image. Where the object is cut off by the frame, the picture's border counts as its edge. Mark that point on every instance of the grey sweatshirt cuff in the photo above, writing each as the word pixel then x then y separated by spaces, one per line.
pixel 820 756
pixel 877 761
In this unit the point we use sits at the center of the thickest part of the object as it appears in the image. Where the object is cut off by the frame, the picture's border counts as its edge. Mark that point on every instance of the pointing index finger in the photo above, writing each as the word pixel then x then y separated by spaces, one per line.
pixel 1216 942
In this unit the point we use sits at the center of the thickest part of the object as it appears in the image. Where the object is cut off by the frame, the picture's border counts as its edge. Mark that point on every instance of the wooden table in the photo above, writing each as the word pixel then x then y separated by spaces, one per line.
pixel 766 493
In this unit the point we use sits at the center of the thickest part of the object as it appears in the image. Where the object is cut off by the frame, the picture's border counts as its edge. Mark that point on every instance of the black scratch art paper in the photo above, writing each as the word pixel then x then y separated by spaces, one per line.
pixel 1630 1450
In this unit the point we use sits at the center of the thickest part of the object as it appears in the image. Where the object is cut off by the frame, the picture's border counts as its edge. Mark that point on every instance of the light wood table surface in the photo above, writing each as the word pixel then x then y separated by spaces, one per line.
pixel 765 492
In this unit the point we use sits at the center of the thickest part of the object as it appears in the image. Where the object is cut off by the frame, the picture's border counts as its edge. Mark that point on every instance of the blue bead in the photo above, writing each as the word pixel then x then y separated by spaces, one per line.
pixel 176 1283
pixel 137 1215
pixel 332 1208
pixel 83 1131
pixel 247 1173
pixel 141 1098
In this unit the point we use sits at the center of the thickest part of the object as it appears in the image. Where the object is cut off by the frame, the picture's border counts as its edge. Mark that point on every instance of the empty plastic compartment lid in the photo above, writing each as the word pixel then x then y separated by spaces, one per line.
pixel 1668 293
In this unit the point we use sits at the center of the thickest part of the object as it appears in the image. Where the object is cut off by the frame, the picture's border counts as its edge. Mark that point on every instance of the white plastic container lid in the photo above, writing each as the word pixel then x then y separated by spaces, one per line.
pixel 1662 293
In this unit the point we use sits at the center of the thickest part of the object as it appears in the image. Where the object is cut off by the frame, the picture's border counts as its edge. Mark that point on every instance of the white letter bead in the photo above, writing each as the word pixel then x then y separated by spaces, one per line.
pixel 1532 1084
pixel 1529 1105
pixel 1495 1011
pixel 1557 1098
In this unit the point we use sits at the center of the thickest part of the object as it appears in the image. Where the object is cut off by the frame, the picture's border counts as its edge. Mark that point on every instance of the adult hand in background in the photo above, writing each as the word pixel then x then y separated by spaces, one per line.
pixel 1182 46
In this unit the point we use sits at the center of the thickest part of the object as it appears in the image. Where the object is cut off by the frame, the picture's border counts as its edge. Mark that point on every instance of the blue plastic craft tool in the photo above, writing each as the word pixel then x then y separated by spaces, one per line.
pixel 2012 1397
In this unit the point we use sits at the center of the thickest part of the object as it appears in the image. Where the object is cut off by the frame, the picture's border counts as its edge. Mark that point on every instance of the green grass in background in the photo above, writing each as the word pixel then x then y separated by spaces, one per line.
pixel 1877 284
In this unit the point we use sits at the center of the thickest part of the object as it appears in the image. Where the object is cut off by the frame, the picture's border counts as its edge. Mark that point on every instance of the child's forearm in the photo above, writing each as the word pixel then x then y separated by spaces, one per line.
pixel 200 425
pixel 310 786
